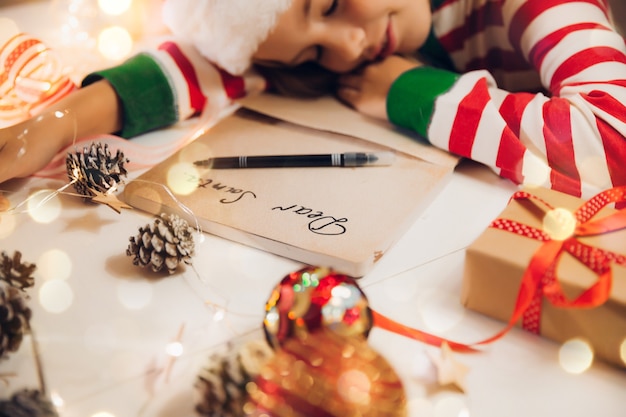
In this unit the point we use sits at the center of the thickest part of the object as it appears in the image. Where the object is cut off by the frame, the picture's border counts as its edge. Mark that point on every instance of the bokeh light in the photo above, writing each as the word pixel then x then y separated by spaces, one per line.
pixel 622 351
pixel 115 43
pixel 114 7
pixel 56 399
pixel 593 169
pixel 134 295
pixel 536 172
pixel 440 311
pixel 559 224
pixel 219 315
pixel 180 178
pixel 56 296
pixel 43 206
pixel 174 349
pixel 54 264
pixel 576 356
pixel 354 386
pixel 421 407
pixel 451 406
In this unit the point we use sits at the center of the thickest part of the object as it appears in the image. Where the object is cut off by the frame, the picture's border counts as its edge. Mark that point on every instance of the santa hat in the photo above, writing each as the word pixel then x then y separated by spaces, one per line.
pixel 227 32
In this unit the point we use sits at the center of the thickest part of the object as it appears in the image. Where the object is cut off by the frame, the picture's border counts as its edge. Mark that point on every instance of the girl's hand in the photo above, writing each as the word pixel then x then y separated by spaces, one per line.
pixel 27 147
pixel 366 90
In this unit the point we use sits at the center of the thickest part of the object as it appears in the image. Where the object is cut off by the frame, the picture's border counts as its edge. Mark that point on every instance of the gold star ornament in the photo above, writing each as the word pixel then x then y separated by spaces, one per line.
pixel 450 372
pixel 108 199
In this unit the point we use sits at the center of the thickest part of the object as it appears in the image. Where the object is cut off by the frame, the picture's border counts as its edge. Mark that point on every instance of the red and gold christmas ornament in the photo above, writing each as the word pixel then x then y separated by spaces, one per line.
pixel 314 298
pixel 326 374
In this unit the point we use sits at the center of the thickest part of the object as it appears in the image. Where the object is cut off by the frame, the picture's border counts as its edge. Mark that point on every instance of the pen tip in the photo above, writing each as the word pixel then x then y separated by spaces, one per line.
pixel 382 158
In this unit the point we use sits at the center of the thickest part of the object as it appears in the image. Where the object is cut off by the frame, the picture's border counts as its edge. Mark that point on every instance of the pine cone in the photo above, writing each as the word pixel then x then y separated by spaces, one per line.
pixel 95 168
pixel 163 245
pixel 221 386
pixel 14 318
pixel 16 273
pixel 27 403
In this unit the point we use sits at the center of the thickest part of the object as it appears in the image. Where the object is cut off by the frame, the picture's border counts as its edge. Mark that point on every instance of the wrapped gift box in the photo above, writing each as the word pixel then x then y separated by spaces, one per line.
pixel 497 260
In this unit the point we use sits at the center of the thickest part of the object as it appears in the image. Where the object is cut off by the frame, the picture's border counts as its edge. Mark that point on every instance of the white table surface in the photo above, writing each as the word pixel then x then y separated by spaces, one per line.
pixel 106 352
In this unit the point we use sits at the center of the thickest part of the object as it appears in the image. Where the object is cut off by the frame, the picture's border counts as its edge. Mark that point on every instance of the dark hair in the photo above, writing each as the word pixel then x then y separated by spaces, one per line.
pixel 307 80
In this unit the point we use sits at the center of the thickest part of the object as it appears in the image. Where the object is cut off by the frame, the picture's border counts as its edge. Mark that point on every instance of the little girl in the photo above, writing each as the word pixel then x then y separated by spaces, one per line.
pixel 531 88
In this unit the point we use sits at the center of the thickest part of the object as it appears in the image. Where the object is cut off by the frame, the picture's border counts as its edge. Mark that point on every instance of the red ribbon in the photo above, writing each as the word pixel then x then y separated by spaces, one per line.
pixel 540 279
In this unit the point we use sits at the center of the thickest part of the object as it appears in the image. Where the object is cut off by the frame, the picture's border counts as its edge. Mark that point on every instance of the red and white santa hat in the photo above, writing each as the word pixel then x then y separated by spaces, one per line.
pixel 227 32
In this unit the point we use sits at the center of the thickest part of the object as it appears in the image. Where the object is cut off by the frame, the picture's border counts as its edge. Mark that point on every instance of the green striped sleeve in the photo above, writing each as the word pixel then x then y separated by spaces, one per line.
pixel 144 92
pixel 411 99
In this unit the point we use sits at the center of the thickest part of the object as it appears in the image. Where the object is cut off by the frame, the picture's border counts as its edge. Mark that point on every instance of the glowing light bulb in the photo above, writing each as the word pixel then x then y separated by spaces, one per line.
pixel 115 43
pixel 56 399
pixel 219 315
pixel 174 349
pixel 114 7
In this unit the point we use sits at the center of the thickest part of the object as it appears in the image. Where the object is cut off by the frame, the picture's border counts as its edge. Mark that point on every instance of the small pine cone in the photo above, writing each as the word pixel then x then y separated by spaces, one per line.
pixel 27 403
pixel 221 386
pixel 16 273
pixel 162 245
pixel 14 318
pixel 95 168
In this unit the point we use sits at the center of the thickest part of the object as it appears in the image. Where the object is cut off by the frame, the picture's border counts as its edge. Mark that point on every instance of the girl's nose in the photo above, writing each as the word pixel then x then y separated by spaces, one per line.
pixel 348 41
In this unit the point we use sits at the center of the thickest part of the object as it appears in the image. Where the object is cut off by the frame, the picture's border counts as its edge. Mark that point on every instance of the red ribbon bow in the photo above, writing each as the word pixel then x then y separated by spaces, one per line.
pixel 540 278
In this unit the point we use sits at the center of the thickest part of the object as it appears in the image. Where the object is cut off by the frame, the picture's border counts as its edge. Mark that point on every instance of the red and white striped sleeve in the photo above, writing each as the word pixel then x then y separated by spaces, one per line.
pixel 569 137
pixel 171 83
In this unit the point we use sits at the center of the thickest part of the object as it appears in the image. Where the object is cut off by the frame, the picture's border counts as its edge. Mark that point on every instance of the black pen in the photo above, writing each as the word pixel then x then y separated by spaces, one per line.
pixel 348 159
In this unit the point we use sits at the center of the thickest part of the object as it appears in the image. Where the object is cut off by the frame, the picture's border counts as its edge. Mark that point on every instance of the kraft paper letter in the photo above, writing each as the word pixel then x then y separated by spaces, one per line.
pixel 344 218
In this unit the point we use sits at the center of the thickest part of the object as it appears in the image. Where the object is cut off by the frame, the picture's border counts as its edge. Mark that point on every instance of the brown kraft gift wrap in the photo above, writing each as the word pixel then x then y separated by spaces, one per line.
pixel 498 265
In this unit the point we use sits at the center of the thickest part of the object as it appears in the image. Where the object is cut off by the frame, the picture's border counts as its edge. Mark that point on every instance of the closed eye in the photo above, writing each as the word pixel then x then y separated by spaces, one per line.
pixel 331 8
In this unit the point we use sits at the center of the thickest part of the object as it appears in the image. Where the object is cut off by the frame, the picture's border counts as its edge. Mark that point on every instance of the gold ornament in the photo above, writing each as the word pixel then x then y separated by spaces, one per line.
pixel 108 199
pixel 450 372
pixel 327 374
pixel 314 298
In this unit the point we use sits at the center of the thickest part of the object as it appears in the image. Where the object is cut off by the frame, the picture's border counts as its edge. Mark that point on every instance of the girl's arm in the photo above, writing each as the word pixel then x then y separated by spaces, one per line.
pixel 28 146
pixel 172 83
pixel 151 90
pixel 570 136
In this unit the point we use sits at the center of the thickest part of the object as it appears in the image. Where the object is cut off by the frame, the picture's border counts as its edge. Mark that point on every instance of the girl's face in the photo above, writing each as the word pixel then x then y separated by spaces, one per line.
pixel 341 35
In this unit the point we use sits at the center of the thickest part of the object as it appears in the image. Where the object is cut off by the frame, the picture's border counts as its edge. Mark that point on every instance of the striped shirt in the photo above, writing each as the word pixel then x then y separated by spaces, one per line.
pixel 540 98
pixel 534 89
